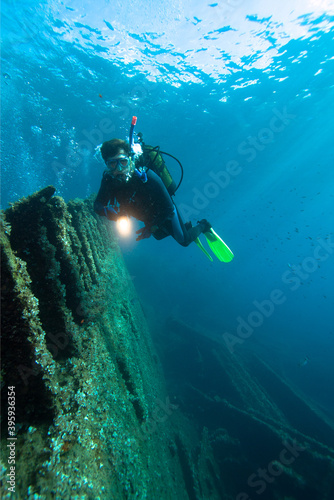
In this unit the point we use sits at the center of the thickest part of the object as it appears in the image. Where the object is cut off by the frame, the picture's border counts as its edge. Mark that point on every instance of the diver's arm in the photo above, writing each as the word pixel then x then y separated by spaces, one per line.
pixel 102 204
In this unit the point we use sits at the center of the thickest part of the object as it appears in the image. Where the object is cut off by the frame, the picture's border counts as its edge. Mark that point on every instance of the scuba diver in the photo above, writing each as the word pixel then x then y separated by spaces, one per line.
pixel 137 183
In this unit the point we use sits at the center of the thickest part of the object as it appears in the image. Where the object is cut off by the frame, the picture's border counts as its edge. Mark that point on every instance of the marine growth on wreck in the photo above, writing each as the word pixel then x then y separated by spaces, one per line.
pixel 94 416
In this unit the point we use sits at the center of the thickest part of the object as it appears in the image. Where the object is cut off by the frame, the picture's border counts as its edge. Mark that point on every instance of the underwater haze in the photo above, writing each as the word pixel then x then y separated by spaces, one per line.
pixel 242 93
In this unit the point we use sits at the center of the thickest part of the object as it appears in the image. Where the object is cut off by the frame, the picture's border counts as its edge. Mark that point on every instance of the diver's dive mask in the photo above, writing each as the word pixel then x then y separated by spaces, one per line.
pixel 118 163
pixel 120 167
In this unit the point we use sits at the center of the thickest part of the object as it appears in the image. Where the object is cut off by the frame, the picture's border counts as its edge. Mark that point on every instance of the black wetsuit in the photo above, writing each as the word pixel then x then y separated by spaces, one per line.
pixel 148 202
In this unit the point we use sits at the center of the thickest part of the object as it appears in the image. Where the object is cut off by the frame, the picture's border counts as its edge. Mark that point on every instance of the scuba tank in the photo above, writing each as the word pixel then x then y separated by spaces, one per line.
pixel 152 159
pixel 155 162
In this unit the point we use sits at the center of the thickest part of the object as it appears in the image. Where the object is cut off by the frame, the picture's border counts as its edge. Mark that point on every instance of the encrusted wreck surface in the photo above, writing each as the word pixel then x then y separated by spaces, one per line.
pixel 266 439
pixel 93 419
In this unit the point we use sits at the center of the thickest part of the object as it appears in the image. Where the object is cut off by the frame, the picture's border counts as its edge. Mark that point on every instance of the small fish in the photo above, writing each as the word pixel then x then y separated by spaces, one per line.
pixel 100 96
pixel 303 362
pixel 7 77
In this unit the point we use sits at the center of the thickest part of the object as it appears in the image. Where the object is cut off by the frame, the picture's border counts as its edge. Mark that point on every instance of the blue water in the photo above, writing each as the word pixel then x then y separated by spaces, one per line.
pixel 242 93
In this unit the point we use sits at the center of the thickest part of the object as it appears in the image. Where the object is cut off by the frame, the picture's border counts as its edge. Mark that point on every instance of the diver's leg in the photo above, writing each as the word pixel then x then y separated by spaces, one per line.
pixel 178 229
pixel 184 234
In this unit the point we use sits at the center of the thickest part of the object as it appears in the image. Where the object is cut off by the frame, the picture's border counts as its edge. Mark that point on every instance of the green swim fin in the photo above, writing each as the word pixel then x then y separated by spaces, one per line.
pixel 217 245
pixel 199 244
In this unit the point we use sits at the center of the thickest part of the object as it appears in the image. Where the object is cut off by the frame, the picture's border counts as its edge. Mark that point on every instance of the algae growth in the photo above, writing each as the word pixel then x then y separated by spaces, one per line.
pixel 93 417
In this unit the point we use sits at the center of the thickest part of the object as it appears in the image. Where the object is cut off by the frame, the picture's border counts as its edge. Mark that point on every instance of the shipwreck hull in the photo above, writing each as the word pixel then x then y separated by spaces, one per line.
pixel 94 416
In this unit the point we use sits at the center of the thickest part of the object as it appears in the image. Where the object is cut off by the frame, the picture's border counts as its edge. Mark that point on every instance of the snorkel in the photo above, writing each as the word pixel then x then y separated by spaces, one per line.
pixel 132 128
pixel 121 171
pixel 136 150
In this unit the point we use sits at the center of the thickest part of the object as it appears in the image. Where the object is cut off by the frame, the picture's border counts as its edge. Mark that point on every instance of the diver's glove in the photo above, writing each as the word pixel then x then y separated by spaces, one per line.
pixel 144 232
pixel 109 211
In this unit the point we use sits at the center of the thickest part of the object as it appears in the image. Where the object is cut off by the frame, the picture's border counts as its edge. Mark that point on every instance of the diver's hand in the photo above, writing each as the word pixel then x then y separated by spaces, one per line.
pixel 109 211
pixel 144 232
